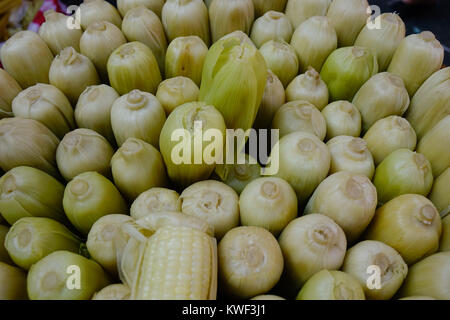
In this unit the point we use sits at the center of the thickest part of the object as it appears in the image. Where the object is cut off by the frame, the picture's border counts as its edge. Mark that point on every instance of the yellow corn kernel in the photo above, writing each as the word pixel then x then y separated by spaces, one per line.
pixel 178 263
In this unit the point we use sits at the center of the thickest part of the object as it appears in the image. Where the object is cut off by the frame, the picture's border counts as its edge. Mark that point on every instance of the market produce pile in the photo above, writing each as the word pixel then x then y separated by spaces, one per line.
pixel 112 146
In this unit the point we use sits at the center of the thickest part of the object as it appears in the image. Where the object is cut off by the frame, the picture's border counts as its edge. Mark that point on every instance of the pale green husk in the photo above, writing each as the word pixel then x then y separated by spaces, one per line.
pixel 136 167
pixel 401 172
pixel 72 73
pixel 382 40
pixel 346 70
pixel 381 96
pixel 389 134
pixel 46 104
pixel 90 196
pixel 186 57
pixel 31 239
pixel 93 110
pixel 184 158
pixel 27 142
pixel 342 118
pixel 431 145
pixel 186 18
pixel 234 78
pixel 331 285
pixel 431 103
pixel 417 57
pixel 143 25
pixel 48 279
pixel 22 195
pixel 133 66
pixel 271 26
pixel 314 40
pixel 301 10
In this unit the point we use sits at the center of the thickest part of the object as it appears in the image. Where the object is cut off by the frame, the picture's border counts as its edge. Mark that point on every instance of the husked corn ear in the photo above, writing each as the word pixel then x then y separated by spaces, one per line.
pixel 14 283
pixel 178 263
pixel 309 244
pixel 401 172
pixel 349 199
pixel 98 10
pixel 304 161
pixel 408 223
pixel 393 269
pixel 269 203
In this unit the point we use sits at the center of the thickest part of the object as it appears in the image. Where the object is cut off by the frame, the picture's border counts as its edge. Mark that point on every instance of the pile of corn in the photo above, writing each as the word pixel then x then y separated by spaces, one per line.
pixel 95 204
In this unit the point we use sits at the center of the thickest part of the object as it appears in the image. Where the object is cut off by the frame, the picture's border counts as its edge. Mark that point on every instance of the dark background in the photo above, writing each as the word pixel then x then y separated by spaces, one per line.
pixel 434 17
